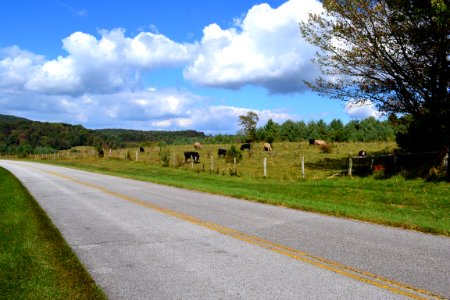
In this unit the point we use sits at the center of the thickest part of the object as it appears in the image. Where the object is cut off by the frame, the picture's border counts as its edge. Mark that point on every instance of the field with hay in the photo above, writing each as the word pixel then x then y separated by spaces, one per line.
pixel 284 162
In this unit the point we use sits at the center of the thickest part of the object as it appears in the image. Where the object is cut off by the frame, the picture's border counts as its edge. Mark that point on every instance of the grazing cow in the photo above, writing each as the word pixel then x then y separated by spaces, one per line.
pixel 362 153
pixel 221 152
pixel 311 141
pixel 320 143
pixel 197 146
pixel 191 154
pixel 267 147
pixel 246 146
pixel 141 149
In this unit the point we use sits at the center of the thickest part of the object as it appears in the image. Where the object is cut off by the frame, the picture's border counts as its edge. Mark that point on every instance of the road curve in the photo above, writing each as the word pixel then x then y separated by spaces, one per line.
pixel 146 241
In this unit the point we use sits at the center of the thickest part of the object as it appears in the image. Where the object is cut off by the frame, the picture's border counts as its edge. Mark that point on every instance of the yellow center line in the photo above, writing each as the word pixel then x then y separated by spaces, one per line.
pixel 366 277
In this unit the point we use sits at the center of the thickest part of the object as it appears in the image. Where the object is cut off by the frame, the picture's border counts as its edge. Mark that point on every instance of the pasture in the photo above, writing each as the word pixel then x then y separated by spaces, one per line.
pixel 326 188
pixel 284 162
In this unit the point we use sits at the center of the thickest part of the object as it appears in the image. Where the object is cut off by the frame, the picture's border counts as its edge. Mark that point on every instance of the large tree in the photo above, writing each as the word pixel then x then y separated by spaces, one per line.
pixel 248 123
pixel 391 52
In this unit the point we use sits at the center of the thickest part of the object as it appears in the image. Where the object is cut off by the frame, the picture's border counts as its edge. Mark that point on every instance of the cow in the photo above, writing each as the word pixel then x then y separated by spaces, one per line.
pixel 141 149
pixel 320 143
pixel 197 146
pixel 267 147
pixel 311 141
pixel 362 153
pixel 191 154
pixel 221 152
pixel 246 146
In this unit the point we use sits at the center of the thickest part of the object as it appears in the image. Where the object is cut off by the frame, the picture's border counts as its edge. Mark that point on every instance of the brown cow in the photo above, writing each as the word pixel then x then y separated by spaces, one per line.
pixel 267 147
pixel 320 143
pixel 197 146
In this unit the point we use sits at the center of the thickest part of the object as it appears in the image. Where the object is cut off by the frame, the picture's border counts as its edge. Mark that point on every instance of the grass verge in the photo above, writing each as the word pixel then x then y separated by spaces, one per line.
pixel 35 261
pixel 411 204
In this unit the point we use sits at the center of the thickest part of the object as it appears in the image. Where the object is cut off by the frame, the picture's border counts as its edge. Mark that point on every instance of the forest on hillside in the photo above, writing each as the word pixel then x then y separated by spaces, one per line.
pixel 23 136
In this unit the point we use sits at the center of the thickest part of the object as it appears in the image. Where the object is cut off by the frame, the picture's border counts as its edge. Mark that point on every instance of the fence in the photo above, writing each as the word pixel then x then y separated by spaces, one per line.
pixel 288 162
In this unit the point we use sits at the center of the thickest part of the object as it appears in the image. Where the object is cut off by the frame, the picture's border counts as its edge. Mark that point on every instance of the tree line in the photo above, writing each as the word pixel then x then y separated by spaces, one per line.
pixel 23 136
pixel 367 130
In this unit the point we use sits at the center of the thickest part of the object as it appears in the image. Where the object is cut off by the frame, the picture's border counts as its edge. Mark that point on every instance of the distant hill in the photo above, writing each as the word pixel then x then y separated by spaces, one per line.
pixel 23 135
pixel 7 118
pixel 140 136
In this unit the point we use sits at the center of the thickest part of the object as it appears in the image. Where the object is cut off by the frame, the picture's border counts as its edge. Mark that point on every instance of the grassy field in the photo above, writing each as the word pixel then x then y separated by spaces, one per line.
pixel 412 204
pixel 35 261
pixel 283 163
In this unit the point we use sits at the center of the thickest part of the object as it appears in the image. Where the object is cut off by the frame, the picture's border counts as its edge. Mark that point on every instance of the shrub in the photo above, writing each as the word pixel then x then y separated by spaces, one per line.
pixel 164 156
pixel 232 153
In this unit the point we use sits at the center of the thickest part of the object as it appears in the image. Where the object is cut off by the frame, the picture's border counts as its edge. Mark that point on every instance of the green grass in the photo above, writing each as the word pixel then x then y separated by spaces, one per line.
pixel 35 261
pixel 412 204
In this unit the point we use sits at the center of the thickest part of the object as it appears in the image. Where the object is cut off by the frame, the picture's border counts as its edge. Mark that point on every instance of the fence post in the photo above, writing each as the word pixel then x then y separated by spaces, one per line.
pixel 212 164
pixel 137 155
pixel 234 166
pixel 110 152
pixel 303 166
pixel 192 162
pixel 265 166
pixel 350 166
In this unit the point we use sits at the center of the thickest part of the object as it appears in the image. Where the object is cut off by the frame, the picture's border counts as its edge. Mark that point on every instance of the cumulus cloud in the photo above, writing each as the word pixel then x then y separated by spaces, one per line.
pixel 361 109
pixel 109 64
pixel 145 110
pixel 263 49
pixel 98 82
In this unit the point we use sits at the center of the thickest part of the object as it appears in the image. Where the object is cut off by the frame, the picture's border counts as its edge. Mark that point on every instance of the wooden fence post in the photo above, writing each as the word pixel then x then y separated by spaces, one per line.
pixel 234 165
pixel 350 166
pixel 212 164
pixel 303 166
pixel 137 155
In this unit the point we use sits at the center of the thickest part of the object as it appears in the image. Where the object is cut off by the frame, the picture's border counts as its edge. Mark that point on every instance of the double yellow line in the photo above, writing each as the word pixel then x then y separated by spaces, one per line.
pixel 366 277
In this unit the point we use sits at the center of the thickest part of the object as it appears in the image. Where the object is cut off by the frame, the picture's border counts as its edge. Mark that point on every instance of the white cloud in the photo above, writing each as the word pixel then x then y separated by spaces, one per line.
pixel 145 110
pixel 264 49
pixel 361 109
pixel 99 81
pixel 109 64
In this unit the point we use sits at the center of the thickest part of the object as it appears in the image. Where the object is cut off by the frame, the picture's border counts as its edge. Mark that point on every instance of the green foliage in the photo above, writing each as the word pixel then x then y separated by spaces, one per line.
pixel 248 123
pixel 233 153
pixel 391 52
pixel 36 262
pixel 164 155
pixel 368 130
pixel 126 136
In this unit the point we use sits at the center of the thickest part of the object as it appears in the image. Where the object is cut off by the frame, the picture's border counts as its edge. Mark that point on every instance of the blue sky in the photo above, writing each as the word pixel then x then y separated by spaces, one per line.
pixel 160 65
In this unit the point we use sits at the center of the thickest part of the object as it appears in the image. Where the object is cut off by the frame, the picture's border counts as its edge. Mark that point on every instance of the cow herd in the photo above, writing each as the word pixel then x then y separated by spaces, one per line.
pixel 195 156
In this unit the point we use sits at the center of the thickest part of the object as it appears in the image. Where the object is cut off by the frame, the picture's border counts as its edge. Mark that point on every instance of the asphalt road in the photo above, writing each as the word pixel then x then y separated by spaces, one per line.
pixel 146 241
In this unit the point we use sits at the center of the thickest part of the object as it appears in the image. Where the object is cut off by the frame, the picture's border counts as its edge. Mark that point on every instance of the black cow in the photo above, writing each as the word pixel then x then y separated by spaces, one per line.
pixel 141 149
pixel 312 141
pixel 246 146
pixel 221 152
pixel 362 153
pixel 191 154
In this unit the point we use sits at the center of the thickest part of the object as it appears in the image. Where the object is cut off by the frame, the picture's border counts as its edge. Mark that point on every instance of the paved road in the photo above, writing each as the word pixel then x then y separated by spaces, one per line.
pixel 145 241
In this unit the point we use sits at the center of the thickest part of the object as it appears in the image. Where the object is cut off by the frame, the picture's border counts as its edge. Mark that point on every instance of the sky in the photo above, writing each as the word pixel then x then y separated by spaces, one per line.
pixel 161 65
